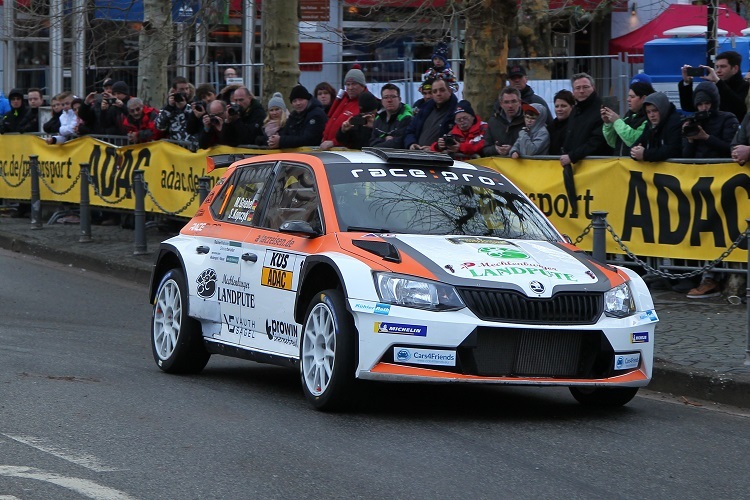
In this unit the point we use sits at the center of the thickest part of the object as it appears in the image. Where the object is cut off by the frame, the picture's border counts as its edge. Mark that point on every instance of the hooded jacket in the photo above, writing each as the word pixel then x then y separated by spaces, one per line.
pixel 11 121
pixel 732 92
pixel 663 140
pixel 720 126
pixel 502 129
pixel 529 97
pixel 584 137
pixel 534 140
pixel 304 129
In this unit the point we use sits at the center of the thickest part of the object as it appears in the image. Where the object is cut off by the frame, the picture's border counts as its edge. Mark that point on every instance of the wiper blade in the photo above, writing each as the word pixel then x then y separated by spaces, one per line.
pixel 368 229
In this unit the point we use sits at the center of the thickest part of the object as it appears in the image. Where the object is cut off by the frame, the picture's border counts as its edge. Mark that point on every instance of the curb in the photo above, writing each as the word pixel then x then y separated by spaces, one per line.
pixel 730 389
pixel 118 270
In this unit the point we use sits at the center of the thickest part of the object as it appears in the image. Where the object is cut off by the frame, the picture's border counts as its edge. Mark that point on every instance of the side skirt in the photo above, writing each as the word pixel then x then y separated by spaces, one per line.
pixel 243 353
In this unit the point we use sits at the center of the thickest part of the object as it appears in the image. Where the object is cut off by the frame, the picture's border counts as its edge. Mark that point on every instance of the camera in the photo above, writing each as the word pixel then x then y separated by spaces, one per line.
pixel 111 100
pixel 215 120
pixel 449 140
pixel 358 120
pixel 233 109
pixel 178 97
pixel 692 123
pixel 696 72
pixel 199 106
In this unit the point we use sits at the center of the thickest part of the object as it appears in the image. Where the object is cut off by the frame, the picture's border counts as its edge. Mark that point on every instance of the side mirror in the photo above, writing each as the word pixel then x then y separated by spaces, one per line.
pixel 300 228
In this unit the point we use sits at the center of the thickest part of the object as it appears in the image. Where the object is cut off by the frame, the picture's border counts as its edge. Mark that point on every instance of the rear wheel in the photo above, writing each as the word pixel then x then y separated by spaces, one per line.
pixel 603 397
pixel 327 352
pixel 176 340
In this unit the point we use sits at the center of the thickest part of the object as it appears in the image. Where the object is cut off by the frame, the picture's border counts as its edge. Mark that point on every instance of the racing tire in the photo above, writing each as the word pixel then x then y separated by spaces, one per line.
pixel 327 352
pixel 176 338
pixel 603 397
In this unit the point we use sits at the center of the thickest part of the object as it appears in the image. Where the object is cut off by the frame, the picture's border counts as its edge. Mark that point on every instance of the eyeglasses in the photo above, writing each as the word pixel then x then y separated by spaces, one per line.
pixel 389 97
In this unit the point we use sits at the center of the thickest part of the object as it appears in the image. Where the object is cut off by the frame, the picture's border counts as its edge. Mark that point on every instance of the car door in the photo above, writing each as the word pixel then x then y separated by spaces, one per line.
pixel 236 206
pixel 291 196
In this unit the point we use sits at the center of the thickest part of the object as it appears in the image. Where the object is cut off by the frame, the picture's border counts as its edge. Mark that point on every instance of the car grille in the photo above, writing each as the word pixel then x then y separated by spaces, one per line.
pixel 503 352
pixel 510 306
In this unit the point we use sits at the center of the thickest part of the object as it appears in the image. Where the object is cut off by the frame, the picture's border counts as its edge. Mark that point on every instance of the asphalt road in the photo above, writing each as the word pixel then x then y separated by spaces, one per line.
pixel 85 413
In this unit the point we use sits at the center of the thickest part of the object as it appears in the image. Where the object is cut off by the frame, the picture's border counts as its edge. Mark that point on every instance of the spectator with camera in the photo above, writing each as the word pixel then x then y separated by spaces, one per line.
pixel 533 139
pixel 114 109
pixel 389 127
pixel 727 77
pixel 621 133
pixel 709 132
pixel 204 94
pixel 94 101
pixel 173 118
pixel 344 106
pixel 435 119
pixel 356 132
pixel 305 124
pixel 504 124
pixel 662 137
pixel 140 122
pixel 244 122
pixel 213 130
pixel 466 138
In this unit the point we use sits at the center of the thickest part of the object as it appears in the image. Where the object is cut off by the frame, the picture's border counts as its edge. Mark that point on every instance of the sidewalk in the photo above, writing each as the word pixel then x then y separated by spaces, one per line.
pixel 700 344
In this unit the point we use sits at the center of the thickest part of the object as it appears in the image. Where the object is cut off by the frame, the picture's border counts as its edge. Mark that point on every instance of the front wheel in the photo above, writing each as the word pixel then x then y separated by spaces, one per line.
pixel 327 352
pixel 176 340
pixel 603 397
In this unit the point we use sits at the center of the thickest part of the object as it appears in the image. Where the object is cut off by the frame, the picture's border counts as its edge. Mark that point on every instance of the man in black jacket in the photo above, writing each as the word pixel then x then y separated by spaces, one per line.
pixel 305 124
pixel 504 124
pixel 709 133
pixel 585 137
pixel 728 79
pixel 662 137
pixel 389 128
pixel 245 120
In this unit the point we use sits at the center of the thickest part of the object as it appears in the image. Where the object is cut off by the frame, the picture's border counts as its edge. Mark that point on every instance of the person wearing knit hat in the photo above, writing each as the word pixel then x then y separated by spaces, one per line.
pixel 275 120
pixel 344 107
pixel 355 133
pixel 305 124
pixel 120 88
pixel 466 138
pixel 11 121
pixel 441 68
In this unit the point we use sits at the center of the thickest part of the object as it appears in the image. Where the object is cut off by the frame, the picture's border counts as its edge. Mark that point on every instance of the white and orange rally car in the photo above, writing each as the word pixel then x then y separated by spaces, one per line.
pixel 394 265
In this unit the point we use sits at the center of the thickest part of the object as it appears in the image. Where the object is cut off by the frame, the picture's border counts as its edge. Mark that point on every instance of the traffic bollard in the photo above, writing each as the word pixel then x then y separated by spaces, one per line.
pixel 203 183
pixel 36 202
pixel 85 206
pixel 139 188
pixel 599 223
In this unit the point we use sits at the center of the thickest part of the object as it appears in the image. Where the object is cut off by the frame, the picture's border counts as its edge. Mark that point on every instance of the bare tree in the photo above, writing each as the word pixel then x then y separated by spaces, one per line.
pixel 280 46
pixel 155 47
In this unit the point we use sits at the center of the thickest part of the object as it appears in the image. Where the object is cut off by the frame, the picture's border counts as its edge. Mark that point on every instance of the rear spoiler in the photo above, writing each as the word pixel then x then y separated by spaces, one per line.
pixel 223 161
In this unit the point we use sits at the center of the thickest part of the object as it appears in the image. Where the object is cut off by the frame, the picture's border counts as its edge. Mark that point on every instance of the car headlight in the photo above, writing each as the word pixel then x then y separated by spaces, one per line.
pixel 618 301
pixel 411 292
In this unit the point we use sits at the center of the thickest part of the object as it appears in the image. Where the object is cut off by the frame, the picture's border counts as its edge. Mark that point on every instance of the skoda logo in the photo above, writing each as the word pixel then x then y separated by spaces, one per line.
pixel 536 287
pixel 403 355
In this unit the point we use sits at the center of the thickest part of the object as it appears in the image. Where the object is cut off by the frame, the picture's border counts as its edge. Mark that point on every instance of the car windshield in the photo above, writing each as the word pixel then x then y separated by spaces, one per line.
pixel 429 204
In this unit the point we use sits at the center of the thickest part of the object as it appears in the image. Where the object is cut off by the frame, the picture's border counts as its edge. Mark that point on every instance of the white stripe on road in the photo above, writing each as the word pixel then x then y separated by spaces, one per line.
pixel 83 459
pixel 83 487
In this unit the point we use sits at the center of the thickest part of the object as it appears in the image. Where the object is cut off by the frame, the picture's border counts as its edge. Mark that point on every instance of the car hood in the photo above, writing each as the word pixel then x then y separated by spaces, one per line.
pixel 537 268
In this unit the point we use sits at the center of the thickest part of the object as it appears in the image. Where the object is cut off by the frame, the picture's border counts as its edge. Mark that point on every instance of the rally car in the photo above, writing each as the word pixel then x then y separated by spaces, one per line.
pixel 394 265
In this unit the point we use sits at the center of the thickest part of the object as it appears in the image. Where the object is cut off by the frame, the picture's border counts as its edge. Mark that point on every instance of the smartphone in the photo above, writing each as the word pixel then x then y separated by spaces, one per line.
pixel 357 120
pixel 611 102
pixel 696 72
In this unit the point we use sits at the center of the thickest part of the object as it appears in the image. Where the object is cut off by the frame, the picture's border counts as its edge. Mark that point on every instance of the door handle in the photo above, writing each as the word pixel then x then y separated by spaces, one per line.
pixel 202 249
pixel 249 257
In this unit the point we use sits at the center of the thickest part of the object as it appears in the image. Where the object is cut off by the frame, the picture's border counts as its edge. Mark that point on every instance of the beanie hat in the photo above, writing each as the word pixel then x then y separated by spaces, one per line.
pixel 701 96
pixel 641 77
pixel 15 93
pixel 276 101
pixel 108 82
pixel 441 52
pixel 121 87
pixel 464 107
pixel 368 102
pixel 299 92
pixel 356 76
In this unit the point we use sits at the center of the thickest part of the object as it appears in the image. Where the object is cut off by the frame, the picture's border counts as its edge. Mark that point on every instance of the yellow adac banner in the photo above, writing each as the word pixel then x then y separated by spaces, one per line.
pixel 672 210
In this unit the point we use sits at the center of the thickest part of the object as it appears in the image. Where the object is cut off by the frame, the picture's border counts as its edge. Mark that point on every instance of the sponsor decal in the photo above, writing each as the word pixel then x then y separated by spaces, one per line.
pixel 235 281
pixel 235 244
pixel 501 263
pixel 363 307
pixel 499 272
pixel 274 240
pixel 639 337
pixel 276 278
pixel 384 309
pixel 243 209
pixel 450 268
pixel 477 240
pixel 281 331
pixel 424 356
pixel 536 286
pixel 627 361
pixel 232 259
pixel 236 297
pixel 649 315
pixel 504 252
pixel 197 227
pixel 418 173
pixel 206 283
pixel 400 329
pixel 240 326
